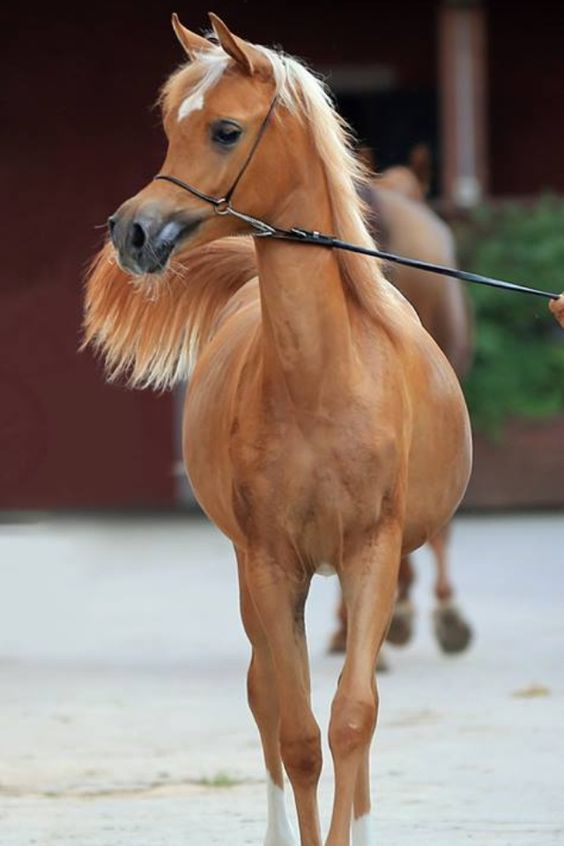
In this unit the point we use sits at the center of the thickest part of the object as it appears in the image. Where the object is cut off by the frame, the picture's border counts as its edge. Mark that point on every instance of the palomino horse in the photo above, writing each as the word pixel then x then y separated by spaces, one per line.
pixel 405 225
pixel 323 427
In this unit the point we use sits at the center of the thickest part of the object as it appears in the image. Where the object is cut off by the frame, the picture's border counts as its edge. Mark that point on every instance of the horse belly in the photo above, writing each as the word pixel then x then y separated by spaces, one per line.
pixel 440 459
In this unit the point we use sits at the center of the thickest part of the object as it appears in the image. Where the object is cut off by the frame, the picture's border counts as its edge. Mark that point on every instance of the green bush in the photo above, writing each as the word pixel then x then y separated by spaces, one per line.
pixel 518 366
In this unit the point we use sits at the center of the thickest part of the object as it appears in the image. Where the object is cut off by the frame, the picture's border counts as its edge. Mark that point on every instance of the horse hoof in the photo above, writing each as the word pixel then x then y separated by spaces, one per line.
pixel 452 631
pixel 338 643
pixel 401 626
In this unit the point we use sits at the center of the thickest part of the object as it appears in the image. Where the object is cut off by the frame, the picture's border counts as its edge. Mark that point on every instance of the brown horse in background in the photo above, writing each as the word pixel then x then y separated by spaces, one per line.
pixel 404 224
pixel 323 426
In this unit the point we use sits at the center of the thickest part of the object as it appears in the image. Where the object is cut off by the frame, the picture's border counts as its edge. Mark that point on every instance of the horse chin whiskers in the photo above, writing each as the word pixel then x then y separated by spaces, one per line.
pixel 134 273
pixel 148 286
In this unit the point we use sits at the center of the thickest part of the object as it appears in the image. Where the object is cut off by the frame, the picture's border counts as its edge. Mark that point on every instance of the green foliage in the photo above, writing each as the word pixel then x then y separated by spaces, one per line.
pixel 519 357
pixel 220 780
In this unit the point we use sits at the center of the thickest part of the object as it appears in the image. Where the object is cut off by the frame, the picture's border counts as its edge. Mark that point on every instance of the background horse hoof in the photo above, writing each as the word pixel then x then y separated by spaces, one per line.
pixel 382 665
pixel 338 643
pixel 452 631
pixel 401 626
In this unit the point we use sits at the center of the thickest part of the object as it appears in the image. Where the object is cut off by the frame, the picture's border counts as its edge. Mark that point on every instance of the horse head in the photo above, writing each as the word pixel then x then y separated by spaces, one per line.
pixel 214 111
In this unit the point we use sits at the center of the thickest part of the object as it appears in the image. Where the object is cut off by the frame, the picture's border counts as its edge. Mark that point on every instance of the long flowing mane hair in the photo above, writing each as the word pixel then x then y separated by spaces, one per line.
pixel 150 330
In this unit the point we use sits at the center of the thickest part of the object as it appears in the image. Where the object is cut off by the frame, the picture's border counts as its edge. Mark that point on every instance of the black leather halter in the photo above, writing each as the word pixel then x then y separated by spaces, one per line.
pixel 222 205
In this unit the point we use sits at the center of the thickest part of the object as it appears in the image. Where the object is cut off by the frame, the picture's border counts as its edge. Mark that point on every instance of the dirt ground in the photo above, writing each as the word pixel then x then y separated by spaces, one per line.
pixel 123 719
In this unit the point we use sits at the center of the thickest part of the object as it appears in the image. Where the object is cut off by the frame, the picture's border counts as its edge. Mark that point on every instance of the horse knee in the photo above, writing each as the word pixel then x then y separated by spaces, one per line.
pixel 352 724
pixel 301 753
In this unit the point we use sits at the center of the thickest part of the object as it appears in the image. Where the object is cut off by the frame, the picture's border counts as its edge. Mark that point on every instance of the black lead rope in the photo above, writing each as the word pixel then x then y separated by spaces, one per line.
pixel 329 241
pixel 222 205
pixel 304 236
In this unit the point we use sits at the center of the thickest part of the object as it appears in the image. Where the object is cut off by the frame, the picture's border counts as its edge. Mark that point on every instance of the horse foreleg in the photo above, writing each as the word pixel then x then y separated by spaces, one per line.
pixel 279 602
pixel 263 702
pixel 369 587
pixel 362 824
pixel 400 631
pixel 452 631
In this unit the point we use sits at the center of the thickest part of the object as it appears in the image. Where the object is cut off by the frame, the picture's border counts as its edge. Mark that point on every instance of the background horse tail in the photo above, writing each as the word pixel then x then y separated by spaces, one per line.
pixel 150 330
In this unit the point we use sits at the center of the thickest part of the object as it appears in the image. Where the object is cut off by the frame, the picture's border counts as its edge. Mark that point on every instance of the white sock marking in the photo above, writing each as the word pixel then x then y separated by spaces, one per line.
pixel 325 569
pixel 362 834
pixel 279 830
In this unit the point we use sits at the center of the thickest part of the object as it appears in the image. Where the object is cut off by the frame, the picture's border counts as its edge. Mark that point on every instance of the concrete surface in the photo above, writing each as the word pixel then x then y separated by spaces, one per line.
pixel 123 719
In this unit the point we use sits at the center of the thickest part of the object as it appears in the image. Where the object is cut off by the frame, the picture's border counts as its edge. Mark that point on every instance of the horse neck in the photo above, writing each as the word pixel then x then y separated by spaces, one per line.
pixel 305 310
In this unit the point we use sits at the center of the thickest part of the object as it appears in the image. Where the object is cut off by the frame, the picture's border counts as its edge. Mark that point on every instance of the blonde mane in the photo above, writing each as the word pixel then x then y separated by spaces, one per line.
pixel 154 340
pixel 151 332
pixel 306 95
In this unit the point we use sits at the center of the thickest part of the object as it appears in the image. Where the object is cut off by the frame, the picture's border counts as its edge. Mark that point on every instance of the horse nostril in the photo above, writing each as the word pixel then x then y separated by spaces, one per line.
pixel 138 236
pixel 111 224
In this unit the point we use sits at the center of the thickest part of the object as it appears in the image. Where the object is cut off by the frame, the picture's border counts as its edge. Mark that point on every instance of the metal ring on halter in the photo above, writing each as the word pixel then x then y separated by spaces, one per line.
pixel 222 207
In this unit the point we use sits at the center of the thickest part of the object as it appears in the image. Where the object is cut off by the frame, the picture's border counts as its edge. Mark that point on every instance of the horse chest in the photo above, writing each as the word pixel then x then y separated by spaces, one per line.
pixel 313 487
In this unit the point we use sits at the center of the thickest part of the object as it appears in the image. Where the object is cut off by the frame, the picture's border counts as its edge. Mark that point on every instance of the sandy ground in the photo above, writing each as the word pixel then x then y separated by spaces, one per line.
pixel 123 719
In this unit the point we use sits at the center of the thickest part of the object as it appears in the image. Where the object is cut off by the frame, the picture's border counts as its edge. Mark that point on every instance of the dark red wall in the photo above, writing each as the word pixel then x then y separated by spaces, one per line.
pixel 80 81
pixel 79 136
pixel 526 78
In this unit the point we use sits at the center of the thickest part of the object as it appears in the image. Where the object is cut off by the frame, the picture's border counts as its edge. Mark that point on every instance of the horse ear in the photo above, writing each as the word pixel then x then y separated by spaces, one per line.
pixel 191 42
pixel 247 57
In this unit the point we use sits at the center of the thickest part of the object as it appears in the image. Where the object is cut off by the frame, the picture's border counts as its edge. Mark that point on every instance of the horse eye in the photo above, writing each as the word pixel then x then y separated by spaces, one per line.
pixel 225 133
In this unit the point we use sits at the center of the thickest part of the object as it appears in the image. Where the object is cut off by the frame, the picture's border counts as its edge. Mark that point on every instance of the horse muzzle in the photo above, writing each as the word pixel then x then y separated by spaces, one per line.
pixel 145 241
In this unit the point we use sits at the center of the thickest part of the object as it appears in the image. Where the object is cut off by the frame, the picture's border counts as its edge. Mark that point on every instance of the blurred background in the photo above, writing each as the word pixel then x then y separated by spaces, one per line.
pixel 477 83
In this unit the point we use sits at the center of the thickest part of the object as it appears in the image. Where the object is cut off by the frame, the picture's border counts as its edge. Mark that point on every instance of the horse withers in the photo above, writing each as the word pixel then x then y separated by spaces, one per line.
pixel 323 426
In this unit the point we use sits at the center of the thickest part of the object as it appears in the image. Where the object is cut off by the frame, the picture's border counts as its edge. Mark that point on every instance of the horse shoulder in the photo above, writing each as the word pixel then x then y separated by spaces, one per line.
pixel 211 406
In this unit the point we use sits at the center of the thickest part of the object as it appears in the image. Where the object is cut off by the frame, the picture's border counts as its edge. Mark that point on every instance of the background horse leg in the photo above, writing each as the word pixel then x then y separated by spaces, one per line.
pixel 401 626
pixel 279 601
pixel 263 702
pixel 338 642
pixel 369 587
pixel 452 631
